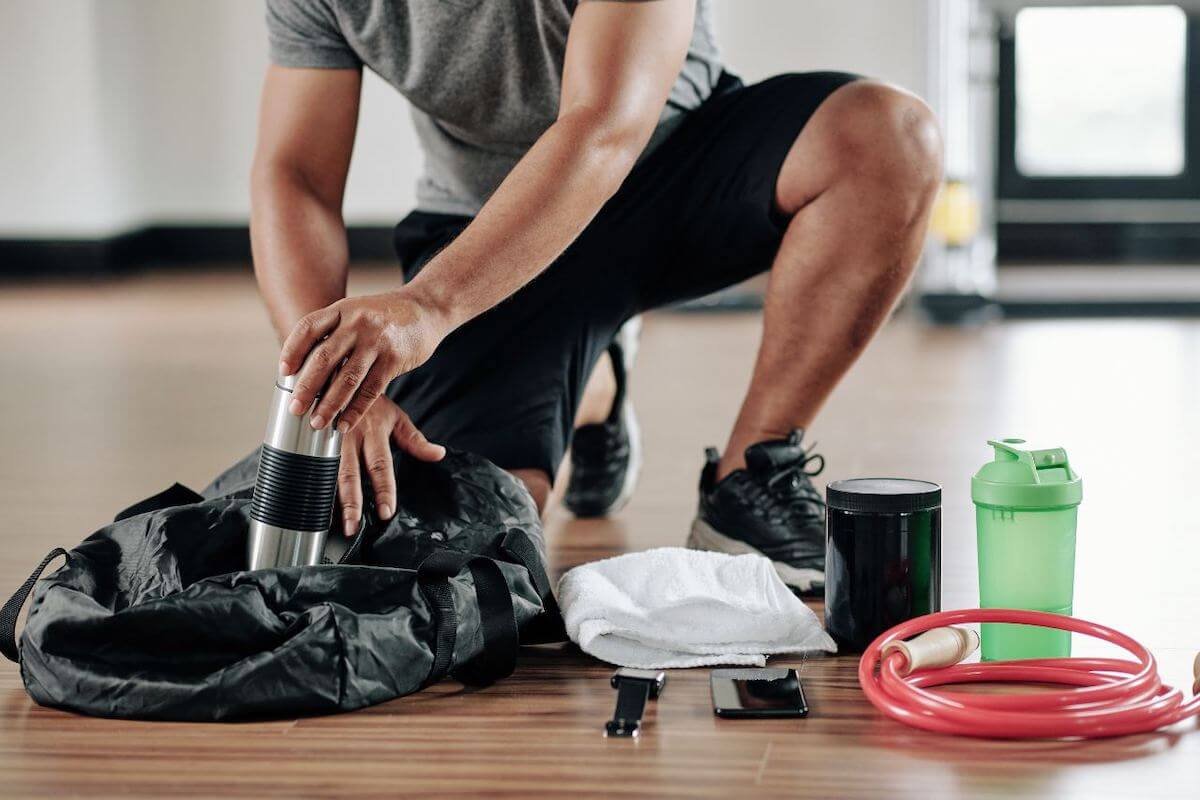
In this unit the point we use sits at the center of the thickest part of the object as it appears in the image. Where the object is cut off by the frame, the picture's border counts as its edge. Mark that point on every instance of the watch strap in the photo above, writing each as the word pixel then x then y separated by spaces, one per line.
pixel 632 694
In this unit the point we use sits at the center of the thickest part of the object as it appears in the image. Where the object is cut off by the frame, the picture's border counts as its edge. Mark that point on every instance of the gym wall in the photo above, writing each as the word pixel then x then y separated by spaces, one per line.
pixel 129 114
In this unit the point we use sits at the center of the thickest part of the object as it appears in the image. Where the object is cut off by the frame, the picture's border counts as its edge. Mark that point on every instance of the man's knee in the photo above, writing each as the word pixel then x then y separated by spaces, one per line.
pixel 888 134
pixel 875 133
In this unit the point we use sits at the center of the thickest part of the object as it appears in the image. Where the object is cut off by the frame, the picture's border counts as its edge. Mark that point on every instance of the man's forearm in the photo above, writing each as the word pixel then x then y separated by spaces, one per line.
pixel 620 64
pixel 299 243
pixel 540 208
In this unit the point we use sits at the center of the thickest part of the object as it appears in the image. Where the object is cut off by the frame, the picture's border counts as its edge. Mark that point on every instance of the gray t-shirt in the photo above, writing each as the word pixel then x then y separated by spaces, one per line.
pixel 483 76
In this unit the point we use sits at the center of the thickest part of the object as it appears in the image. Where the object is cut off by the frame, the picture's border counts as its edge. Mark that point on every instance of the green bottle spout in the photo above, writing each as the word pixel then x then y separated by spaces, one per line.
pixel 1022 478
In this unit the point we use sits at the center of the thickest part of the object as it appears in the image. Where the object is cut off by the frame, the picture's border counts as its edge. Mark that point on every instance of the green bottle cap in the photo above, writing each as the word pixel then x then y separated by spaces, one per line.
pixel 1026 479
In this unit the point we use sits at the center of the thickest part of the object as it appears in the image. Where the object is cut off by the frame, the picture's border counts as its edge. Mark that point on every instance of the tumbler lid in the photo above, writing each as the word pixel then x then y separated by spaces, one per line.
pixel 1029 479
pixel 883 495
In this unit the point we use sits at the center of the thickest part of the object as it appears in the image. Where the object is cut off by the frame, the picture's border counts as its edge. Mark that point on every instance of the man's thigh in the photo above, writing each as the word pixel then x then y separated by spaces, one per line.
pixel 701 208
pixel 506 385
pixel 695 216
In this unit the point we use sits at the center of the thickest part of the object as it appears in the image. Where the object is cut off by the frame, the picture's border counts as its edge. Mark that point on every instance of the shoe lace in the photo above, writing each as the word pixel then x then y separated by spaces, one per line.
pixel 788 495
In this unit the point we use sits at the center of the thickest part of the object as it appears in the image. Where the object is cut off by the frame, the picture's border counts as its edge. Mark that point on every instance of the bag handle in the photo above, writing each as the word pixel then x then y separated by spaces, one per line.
pixel 175 495
pixel 498 621
pixel 548 627
pixel 12 609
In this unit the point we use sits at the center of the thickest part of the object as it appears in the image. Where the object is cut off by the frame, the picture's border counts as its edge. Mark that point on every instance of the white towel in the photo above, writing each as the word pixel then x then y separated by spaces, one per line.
pixel 671 607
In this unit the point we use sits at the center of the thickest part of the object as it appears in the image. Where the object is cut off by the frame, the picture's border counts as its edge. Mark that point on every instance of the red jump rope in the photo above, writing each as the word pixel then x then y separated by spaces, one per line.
pixel 1108 696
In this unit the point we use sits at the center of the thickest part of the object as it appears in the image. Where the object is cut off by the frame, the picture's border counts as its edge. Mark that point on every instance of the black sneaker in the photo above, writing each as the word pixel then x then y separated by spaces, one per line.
pixel 770 508
pixel 607 456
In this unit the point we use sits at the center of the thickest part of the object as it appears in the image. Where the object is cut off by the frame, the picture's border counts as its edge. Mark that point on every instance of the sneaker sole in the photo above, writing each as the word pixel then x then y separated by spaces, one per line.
pixel 705 537
pixel 629 337
pixel 635 457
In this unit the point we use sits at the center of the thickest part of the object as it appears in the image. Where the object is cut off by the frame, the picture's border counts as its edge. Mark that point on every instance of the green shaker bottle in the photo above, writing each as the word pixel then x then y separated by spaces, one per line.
pixel 1025 510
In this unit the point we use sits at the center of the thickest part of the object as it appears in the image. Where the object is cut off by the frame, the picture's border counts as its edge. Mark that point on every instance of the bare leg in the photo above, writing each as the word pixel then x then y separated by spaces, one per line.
pixel 858 185
pixel 538 484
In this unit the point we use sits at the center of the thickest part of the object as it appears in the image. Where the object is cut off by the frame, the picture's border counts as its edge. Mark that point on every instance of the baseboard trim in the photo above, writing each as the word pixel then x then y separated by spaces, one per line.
pixel 954 309
pixel 158 246
pixel 1097 242
pixel 950 308
pixel 1045 309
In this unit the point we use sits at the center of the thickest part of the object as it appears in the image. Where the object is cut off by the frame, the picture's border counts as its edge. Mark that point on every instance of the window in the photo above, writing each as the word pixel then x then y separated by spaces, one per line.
pixel 1100 91
pixel 1099 102
pixel 1098 132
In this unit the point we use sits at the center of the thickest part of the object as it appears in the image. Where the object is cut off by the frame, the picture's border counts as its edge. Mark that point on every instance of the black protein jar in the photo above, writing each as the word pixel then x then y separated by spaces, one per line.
pixel 882 557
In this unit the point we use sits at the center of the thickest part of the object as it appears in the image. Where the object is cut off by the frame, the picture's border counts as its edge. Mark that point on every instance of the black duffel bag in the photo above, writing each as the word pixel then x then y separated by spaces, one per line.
pixel 156 617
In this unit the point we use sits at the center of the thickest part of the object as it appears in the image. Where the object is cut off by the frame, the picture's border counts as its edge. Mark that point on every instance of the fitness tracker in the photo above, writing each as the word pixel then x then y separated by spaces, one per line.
pixel 634 687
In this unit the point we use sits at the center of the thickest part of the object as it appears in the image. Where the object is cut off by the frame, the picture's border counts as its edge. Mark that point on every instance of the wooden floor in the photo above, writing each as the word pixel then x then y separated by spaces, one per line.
pixel 113 391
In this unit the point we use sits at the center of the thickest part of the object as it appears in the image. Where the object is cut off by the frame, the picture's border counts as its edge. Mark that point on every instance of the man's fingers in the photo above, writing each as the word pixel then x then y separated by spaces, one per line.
pixel 313 376
pixel 306 333
pixel 412 441
pixel 377 458
pixel 372 387
pixel 342 387
pixel 350 487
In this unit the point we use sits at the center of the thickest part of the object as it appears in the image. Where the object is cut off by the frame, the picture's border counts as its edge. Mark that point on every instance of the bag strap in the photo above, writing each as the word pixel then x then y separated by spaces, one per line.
pixel 498 622
pixel 435 586
pixel 12 609
pixel 174 495
pixel 548 627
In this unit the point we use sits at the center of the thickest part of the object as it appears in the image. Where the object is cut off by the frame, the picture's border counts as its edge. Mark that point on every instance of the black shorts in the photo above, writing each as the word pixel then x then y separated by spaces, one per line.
pixel 695 216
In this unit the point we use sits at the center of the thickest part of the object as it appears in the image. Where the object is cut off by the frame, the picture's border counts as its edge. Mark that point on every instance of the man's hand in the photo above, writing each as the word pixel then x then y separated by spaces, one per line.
pixel 357 346
pixel 367 448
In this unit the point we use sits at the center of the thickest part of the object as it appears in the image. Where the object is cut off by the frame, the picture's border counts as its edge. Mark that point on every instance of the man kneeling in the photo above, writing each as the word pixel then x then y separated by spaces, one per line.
pixel 584 162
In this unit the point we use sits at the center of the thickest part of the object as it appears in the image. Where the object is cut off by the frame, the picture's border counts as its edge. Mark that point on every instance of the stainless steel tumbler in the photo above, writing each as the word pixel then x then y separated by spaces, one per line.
pixel 294 493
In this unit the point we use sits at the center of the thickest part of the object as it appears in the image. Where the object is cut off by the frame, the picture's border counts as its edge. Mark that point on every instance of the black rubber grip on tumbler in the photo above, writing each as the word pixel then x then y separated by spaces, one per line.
pixel 294 491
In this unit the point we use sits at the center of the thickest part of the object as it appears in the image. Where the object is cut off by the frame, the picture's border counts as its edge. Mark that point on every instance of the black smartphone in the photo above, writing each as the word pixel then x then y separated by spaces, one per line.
pixel 761 692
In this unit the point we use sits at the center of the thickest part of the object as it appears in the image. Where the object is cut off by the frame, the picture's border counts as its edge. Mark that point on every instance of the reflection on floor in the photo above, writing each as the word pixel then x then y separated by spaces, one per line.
pixel 111 392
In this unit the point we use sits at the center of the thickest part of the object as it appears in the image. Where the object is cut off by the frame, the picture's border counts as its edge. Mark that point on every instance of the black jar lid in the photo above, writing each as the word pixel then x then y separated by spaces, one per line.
pixel 883 495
